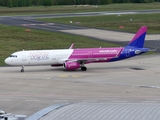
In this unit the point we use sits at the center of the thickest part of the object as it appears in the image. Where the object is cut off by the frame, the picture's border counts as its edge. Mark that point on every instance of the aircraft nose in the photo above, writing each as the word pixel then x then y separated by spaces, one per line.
pixel 7 61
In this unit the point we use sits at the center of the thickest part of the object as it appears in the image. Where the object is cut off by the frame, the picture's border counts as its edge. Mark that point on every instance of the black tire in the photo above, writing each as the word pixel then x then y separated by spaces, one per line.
pixel 83 68
pixel 22 70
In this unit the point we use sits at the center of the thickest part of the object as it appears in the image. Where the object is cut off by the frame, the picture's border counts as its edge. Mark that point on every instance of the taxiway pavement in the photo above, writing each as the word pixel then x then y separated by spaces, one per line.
pixel 134 80
pixel 130 81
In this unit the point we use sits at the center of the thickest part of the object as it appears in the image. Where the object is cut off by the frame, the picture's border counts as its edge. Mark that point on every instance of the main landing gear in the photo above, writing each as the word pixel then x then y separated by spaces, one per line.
pixel 83 68
pixel 22 70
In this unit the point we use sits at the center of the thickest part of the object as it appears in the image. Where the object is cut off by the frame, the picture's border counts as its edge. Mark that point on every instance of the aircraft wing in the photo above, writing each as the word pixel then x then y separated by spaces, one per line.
pixel 87 60
pixel 84 60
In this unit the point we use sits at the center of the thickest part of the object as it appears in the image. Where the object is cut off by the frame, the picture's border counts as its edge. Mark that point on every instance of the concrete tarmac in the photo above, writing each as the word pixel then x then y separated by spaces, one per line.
pixel 130 81
pixel 134 80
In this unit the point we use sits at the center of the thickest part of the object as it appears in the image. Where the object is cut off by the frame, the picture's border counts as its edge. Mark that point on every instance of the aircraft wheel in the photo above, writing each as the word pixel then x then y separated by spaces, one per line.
pixel 22 70
pixel 83 68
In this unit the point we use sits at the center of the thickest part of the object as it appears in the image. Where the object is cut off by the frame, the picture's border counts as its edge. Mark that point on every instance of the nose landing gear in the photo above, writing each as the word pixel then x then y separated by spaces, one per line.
pixel 22 70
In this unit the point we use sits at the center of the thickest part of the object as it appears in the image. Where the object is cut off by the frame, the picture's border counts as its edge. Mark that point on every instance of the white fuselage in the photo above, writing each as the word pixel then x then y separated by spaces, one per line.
pixel 39 57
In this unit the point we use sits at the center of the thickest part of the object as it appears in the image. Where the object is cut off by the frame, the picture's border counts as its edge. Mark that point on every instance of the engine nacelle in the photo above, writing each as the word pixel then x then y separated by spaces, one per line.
pixel 71 65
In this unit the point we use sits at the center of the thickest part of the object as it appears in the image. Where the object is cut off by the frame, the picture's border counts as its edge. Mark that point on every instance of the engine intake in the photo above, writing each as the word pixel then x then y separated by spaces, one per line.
pixel 71 65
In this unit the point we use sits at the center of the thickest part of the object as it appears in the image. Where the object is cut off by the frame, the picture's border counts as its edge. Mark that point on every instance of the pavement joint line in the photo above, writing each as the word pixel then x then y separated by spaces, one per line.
pixel 89 100
pixel 32 100
pixel 63 76
pixel 119 101
pixel 5 100
pixel 76 76
pixel 109 98
pixel 14 105
pixel 149 101
pixel 61 100
pixel 153 99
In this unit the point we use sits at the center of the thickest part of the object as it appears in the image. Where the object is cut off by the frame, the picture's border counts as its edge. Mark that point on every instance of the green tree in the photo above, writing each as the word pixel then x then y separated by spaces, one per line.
pixel 77 2
pixel 4 2
pixel 55 2
pixel 9 3
pixel 15 3
pixel 94 2
pixel 127 1
pixel 104 2
pixel 23 2
pixel 47 2
pixel 1 3
pixel 28 2
pixel 35 2
pixel 115 1
pixel 143 1
pixel 41 2
pixel 20 3
pixel 71 2
pixel 151 1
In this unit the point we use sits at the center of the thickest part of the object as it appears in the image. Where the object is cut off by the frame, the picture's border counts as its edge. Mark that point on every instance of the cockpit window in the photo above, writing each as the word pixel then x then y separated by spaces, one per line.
pixel 13 56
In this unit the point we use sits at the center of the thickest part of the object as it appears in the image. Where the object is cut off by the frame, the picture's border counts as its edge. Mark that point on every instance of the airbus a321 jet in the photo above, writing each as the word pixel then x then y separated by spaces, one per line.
pixel 72 59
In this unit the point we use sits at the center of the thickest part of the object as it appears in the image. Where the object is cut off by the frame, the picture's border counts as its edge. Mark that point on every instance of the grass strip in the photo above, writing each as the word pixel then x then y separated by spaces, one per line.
pixel 77 8
pixel 130 23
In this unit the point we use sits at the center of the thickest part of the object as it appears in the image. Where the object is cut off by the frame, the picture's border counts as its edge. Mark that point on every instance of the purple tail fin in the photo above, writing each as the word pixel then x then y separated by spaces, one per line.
pixel 139 38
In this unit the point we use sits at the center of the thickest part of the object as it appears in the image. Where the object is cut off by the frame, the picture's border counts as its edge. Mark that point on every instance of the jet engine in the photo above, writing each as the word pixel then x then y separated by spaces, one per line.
pixel 71 65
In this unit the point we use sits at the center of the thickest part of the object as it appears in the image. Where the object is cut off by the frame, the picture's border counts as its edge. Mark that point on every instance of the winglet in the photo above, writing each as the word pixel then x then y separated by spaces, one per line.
pixel 139 38
pixel 71 47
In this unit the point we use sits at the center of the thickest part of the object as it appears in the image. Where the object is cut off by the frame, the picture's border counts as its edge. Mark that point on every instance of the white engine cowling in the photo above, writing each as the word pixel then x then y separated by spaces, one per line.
pixel 71 65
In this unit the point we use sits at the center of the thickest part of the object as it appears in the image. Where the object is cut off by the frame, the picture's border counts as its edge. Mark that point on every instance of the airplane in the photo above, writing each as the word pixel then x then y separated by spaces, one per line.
pixel 72 59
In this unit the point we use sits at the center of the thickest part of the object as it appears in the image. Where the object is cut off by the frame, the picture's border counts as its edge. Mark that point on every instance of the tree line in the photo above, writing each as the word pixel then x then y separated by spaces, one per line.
pixel 20 3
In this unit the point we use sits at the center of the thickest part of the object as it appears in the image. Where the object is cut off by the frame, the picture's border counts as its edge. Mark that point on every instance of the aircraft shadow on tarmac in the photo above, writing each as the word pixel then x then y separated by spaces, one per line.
pixel 96 69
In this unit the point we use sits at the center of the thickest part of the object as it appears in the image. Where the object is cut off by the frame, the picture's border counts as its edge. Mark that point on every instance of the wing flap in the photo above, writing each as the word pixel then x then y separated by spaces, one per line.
pixel 85 60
